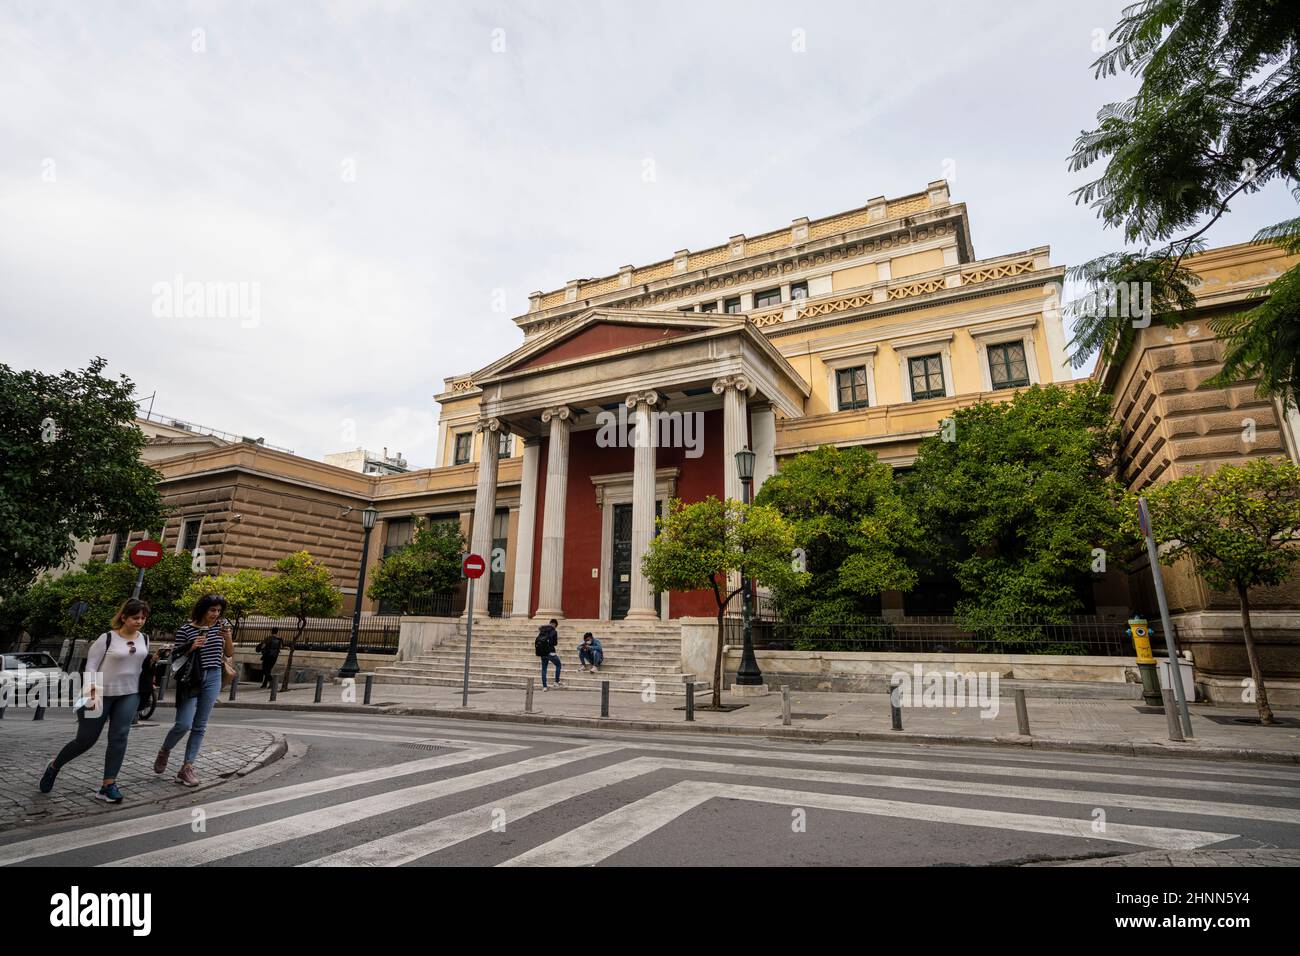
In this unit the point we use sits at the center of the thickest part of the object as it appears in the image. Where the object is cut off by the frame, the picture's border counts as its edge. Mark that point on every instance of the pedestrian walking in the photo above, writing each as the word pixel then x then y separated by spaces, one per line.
pixel 544 646
pixel 590 653
pixel 270 651
pixel 111 691
pixel 203 644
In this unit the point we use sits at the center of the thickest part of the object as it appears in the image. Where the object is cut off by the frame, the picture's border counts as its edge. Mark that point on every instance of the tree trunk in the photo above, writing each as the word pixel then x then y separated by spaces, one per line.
pixel 288 668
pixel 1256 674
pixel 717 664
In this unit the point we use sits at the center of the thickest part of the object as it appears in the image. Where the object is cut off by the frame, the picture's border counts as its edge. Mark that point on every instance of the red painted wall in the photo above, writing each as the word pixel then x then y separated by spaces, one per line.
pixel 601 337
pixel 698 478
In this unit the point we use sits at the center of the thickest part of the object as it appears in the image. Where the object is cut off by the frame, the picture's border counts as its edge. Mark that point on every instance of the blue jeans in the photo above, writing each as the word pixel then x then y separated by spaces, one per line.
pixel 556 659
pixel 117 712
pixel 590 656
pixel 192 715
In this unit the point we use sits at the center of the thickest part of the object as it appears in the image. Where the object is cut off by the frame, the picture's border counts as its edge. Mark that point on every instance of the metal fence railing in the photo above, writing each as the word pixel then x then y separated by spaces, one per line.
pixel 375 635
pixel 942 635
pixel 453 605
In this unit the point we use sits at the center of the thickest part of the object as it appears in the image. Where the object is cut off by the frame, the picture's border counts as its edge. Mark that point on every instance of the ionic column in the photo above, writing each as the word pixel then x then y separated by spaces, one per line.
pixel 642 604
pixel 763 433
pixel 549 603
pixel 523 595
pixel 735 391
pixel 485 504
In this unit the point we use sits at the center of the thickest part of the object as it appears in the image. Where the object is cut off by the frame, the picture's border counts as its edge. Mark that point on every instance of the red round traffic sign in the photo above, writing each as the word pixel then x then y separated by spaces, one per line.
pixel 473 566
pixel 146 553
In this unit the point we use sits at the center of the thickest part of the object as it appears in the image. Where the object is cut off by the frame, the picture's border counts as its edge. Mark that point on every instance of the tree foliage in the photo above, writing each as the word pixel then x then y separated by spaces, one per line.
pixel 700 545
pixel 302 587
pixel 246 591
pixel 1217 115
pixel 70 455
pixel 1026 484
pixel 426 568
pixel 849 516
pixel 1240 525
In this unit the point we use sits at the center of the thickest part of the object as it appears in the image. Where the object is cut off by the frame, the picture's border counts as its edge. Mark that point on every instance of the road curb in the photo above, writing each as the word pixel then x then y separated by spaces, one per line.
pixel 1173 750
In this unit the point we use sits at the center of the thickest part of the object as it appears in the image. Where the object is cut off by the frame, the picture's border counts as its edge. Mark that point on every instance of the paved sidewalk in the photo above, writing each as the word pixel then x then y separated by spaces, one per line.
pixel 1112 726
pixel 27 746
pixel 1262 856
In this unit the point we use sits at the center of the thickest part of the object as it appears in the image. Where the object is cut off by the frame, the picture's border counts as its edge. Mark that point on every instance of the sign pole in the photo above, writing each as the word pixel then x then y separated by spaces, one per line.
pixel 469 635
pixel 139 583
pixel 1175 669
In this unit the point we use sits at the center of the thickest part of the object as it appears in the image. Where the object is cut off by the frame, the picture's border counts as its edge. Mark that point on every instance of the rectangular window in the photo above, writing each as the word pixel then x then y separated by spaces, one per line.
pixel 731 305
pixel 397 534
pixel 503 445
pixel 926 372
pixel 767 297
pixel 1007 365
pixel 190 533
pixel 799 291
pixel 116 548
pixel 708 306
pixel 851 385
pixel 464 445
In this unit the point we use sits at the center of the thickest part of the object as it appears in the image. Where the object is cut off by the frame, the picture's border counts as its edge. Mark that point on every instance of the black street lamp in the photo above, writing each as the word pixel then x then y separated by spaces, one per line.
pixel 748 675
pixel 350 666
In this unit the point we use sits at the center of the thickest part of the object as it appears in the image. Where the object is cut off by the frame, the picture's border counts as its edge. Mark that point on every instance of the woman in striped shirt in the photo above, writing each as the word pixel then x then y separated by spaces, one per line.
pixel 204 634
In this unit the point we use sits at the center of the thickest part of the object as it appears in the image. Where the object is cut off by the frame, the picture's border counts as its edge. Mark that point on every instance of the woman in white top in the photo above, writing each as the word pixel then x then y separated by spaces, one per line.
pixel 111 690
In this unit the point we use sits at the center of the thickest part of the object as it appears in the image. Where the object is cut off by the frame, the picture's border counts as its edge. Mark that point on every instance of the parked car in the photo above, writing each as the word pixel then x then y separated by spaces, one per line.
pixel 26 668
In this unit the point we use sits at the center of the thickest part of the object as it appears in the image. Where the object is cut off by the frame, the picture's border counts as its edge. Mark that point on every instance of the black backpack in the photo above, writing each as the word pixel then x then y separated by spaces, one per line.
pixel 542 645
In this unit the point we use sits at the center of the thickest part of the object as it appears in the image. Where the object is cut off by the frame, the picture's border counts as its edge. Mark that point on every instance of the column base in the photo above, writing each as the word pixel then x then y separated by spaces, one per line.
pixel 544 615
pixel 641 614
pixel 749 690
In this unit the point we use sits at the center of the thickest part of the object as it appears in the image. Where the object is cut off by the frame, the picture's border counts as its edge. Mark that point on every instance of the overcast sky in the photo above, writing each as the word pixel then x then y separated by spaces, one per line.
pixel 394 178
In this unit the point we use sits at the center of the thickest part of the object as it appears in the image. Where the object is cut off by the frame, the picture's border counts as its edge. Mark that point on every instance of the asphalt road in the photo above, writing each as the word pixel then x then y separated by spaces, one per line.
pixel 385 791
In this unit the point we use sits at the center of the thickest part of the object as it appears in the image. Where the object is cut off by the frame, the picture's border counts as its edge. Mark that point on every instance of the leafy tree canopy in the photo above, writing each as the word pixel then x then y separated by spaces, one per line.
pixel 70 455
pixel 1217 115
pixel 426 568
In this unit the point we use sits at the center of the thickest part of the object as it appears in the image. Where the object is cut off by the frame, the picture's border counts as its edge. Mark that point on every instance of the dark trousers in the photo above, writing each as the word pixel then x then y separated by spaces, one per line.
pixel 117 712
pixel 268 665
pixel 589 655
pixel 554 658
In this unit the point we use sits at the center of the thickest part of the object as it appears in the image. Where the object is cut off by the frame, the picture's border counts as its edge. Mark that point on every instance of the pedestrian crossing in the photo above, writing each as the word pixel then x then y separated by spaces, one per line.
pixel 516 798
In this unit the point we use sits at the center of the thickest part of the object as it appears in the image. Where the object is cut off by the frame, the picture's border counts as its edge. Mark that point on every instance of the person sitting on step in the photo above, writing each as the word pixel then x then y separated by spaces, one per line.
pixel 590 653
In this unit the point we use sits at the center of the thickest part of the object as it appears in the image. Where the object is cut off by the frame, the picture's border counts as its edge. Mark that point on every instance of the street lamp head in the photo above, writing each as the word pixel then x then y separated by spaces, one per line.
pixel 745 464
pixel 368 518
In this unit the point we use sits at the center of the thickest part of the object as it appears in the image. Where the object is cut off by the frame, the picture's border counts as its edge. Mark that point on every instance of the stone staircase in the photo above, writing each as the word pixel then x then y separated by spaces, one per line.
pixel 502 656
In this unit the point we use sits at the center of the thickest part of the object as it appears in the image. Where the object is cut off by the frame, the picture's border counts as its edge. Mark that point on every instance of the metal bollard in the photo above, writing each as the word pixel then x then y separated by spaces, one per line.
pixel 320 687
pixel 370 682
pixel 604 698
pixel 233 684
pixel 895 711
pixel 1171 714
pixel 274 686
pixel 40 713
pixel 528 697
pixel 690 700
pixel 1022 714
pixel 785 704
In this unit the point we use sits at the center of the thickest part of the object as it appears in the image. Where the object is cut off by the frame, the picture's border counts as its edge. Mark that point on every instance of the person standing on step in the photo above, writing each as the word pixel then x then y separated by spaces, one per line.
pixel 590 653
pixel 206 635
pixel 548 638
pixel 111 696
pixel 270 651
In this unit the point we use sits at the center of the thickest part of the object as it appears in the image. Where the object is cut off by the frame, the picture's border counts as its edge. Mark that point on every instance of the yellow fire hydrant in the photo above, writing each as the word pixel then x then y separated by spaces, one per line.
pixel 1141 634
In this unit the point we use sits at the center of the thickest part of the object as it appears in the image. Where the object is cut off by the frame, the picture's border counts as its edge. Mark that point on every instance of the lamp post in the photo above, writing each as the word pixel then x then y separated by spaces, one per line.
pixel 350 666
pixel 748 675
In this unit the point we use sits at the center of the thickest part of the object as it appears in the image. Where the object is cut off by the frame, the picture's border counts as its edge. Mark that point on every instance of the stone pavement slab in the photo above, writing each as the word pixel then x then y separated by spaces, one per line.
pixel 27 746
pixel 1120 726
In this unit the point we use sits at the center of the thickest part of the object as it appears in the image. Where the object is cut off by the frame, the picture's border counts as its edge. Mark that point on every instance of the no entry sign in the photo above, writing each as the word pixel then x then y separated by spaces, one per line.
pixel 473 566
pixel 146 553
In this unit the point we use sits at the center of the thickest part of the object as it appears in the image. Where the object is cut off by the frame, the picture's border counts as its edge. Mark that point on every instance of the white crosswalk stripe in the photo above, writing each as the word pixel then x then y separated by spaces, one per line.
pixel 622 771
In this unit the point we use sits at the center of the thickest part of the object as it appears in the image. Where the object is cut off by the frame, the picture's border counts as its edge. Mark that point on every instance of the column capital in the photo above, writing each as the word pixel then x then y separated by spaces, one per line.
pixel 741 383
pixel 491 425
pixel 562 412
pixel 649 397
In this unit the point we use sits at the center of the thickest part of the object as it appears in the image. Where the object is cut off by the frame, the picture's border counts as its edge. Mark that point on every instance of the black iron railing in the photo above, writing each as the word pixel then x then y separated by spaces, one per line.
pixel 375 635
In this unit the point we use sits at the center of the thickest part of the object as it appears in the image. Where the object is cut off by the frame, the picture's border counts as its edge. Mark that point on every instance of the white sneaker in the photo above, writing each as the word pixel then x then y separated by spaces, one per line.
pixel 545 688
pixel 595 669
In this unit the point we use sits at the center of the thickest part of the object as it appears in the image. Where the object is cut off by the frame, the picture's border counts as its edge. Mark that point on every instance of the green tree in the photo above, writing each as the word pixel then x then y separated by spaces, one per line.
pixel 246 592
pixel 301 588
pixel 1026 484
pixel 1217 115
pixel 70 456
pixel 699 545
pixel 1239 524
pixel 849 515
pixel 426 568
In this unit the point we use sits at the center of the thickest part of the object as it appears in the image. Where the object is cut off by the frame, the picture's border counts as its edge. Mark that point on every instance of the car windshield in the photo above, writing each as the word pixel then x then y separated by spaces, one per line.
pixel 18 661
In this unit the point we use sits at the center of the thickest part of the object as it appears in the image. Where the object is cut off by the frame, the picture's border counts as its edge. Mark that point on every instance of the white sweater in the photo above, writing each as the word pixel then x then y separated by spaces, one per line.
pixel 112 667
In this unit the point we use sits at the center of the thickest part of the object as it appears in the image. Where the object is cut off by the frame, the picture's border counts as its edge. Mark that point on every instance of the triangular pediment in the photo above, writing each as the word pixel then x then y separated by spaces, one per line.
pixel 605 332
